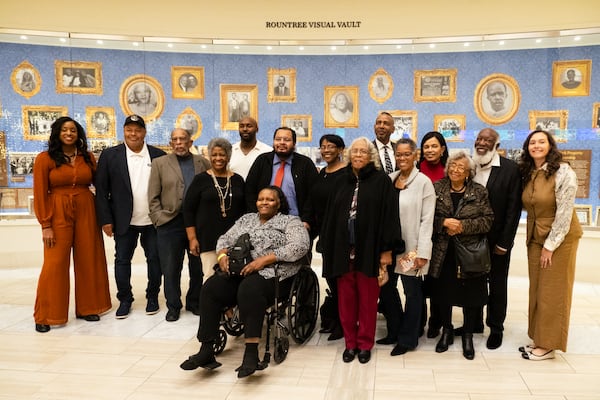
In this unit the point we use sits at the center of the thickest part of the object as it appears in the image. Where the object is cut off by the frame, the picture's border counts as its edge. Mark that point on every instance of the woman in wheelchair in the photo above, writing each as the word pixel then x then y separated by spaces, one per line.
pixel 278 241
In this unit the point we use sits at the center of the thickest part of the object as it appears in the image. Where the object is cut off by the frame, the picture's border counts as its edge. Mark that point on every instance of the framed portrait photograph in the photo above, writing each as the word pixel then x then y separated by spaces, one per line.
pixel 451 126
pixel 341 107
pixel 26 80
pixel 553 122
pixel 571 78
pixel 281 85
pixel 237 102
pixel 497 99
pixel 100 122
pixel 301 124
pixel 437 85
pixel 187 82
pixel 79 77
pixel 190 121
pixel 37 120
pixel 584 214
pixel 381 86
pixel 596 115
pixel 405 123
pixel 21 165
pixel 142 95
pixel 97 145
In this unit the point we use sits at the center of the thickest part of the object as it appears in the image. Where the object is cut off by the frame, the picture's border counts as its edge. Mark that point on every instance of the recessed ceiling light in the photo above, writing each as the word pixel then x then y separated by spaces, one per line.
pixel 432 45
pixel 501 43
pixel 99 41
pixel 577 38
pixel 301 48
pixel 136 44
pixel 467 44
pixel 23 37
pixel 63 40
pixel 538 40
pixel 236 47
pixel 170 45
pixel 269 47
pixel 398 46
pixel 366 47
pixel 333 48
pixel 203 46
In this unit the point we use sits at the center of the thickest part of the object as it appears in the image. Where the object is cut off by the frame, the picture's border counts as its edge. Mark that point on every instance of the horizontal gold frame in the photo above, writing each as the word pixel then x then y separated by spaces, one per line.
pixel 451 134
pixel 100 122
pixel 561 115
pixel 181 87
pixel 128 99
pixel 230 112
pixel 90 79
pixel 190 120
pixel 584 214
pixel 596 115
pixel 436 85
pixel 38 119
pixel 388 86
pixel 30 86
pixel 291 121
pixel 561 87
pixel 400 119
pixel 335 118
pixel 480 100
pixel 272 79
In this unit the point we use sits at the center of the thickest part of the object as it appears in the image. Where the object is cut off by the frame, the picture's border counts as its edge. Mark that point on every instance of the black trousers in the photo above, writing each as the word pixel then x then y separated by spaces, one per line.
pixel 390 305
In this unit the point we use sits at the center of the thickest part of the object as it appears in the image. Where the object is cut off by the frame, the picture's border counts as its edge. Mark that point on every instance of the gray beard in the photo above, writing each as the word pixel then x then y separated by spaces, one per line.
pixel 485 159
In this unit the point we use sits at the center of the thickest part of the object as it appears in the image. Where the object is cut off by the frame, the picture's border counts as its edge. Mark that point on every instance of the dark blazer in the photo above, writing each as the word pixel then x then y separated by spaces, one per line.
pixel 393 144
pixel 304 174
pixel 114 199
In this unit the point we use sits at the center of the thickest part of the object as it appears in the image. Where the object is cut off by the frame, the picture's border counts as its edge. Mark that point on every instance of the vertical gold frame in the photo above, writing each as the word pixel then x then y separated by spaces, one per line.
pixel 420 83
pixel 181 122
pixel 272 76
pixel 92 130
pixel 288 119
pixel 372 86
pixel 93 84
pixel 596 115
pixel 559 70
pixel 343 121
pixel 177 72
pixel 227 90
pixel 16 79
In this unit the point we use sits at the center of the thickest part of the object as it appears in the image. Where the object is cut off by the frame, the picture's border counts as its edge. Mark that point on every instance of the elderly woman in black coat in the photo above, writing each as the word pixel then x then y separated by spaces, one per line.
pixel 462 211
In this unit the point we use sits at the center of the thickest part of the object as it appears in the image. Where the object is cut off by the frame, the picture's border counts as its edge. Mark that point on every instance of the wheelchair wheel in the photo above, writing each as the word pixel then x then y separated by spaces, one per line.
pixel 233 325
pixel 303 305
pixel 220 343
pixel 281 347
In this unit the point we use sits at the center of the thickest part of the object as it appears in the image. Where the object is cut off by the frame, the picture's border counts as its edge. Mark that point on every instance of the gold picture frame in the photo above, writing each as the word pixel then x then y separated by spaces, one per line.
pixel 301 124
pixel 435 85
pixel 596 115
pixel 143 95
pixel 584 214
pixel 26 79
pixel 497 99
pixel 451 126
pixel 341 106
pixel 281 85
pixel 571 78
pixel 381 86
pixel 187 82
pixel 237 102
pixel 37 120
pixel 81 77
pixel 191 121
pixel 554 122
pixel 405 124
pixel 597 222
pixel 100 122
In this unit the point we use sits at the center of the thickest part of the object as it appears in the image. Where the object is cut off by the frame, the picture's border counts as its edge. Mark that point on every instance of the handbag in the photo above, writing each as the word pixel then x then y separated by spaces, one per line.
pixel 239 254
pixel 472 259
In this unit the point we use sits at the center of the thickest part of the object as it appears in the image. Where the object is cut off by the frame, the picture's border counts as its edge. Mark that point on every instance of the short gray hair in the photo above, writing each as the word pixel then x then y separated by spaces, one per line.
pixel 222 143
pixel 460 155
pixel 373 154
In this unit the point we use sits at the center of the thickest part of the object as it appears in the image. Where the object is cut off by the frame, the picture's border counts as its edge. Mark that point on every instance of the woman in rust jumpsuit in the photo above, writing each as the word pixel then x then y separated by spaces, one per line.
pixel 64 207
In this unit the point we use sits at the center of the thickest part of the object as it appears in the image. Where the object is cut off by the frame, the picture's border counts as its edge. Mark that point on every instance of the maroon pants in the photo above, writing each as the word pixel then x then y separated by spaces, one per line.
pixel 358 296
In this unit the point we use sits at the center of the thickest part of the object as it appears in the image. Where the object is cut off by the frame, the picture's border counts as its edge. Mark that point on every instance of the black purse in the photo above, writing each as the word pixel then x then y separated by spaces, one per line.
pixel 239 254
pixel 472 259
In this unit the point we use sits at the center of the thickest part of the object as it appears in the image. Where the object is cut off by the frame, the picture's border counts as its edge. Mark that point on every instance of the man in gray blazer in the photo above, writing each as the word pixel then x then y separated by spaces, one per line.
pixel 170 177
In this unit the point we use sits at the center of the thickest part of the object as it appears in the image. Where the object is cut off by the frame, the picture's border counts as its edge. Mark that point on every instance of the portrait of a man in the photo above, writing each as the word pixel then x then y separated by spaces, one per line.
pixel 188 82
pixel 497 95
pixel 141 99
pixel 571 79
pixel 281 88
pixel 101 122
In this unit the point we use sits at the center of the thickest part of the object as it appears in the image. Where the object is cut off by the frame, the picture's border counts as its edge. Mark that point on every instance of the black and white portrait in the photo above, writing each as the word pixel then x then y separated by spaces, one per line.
pixel 101 122
pixel 550 124
pixel 403 127
pixel 438 85
pixel 449 126
pixel 188 82
pixel 571 78
pixel 497 99
pixel 341 107
pixel 281 86
pixel 26 80
pixel 21 164
pixel 40 122
pixel 142 99
pixel 79 78
pixel 238 106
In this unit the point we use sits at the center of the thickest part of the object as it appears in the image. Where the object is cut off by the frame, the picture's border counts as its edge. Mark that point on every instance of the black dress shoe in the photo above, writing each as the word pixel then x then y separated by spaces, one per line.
pixel 349 355
pixel 193 310
pixel 90 318
pixel 386 340
pixel 336 334
pixel 42 328
pixel 467 345
pixel 152 306
pixel 399 349
pixel 494 340
pixel 433 332
pixel 460 330
pixel 172 315
pixel 364 356
pixel 446 340
pixel 205 358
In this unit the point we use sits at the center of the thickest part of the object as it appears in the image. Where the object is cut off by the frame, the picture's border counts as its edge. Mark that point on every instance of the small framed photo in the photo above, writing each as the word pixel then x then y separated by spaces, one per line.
pixel 571 78
pixel 596 115
pixel 381 86
pixel 341 107
pixel 190 121
pixel 437 85
pixel 37 120
pixel 26 80
pixel 142 95
pixel 187 82
pixel 79 77
pixel 281 85
pixel 553 122
pixel 405 123
pixel 97 145
pixel 584 214
pixel 21 165
pixel 100 122
pixel 237 102
pixel 497 99
pixel 451 126
pixel 301 124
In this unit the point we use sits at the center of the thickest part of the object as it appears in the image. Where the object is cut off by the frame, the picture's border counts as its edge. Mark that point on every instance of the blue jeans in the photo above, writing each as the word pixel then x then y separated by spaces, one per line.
pixel 410 325
pixel 125 245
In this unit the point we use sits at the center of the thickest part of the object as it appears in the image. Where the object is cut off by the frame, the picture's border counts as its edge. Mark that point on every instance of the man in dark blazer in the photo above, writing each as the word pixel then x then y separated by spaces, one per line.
pixel 170 178
pixel 502 179
pixel 122 209
pixel 281 89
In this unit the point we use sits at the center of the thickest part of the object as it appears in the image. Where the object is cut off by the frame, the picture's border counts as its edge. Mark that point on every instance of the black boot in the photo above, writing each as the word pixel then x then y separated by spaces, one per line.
pixel 446 340
pixel 250 361
pixel 205 358
pixel 467 345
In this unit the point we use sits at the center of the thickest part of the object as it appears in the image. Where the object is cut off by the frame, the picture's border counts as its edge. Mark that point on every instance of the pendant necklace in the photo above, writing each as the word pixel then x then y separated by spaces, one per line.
pixel 223 193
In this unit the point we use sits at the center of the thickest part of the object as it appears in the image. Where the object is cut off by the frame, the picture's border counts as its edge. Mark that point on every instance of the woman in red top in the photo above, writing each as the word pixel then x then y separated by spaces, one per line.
pixel 434 154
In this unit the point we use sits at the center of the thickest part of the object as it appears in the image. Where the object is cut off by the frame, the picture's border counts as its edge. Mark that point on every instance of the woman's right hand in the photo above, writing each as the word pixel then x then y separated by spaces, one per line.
pixel 453 226
pixel 48 237
pixel 195 247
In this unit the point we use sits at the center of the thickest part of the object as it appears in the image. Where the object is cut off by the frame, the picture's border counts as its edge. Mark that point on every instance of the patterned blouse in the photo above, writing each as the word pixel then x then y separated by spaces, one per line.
pixel 283 235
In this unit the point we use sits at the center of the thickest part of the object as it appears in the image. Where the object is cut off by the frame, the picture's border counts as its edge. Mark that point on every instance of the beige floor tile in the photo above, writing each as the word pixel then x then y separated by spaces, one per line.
pixel 88 387
pixel 568 384
pixel 418 395
pixel 471 381
pixel 92 364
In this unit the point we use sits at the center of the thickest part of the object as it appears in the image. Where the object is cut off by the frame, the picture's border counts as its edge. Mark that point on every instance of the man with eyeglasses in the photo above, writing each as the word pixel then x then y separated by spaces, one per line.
pixel 170 178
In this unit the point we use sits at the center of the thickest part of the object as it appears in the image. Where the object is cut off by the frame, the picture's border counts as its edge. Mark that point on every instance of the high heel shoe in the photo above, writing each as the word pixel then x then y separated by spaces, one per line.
pixel 533 357
pixel 446 340
pixel 467 345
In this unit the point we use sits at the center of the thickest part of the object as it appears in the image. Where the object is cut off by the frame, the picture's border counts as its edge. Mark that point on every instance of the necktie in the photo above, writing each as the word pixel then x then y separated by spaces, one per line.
pixel 388 162
pixel 279 174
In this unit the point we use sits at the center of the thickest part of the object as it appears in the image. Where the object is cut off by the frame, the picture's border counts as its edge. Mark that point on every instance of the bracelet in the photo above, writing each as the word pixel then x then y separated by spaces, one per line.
pixel 221 256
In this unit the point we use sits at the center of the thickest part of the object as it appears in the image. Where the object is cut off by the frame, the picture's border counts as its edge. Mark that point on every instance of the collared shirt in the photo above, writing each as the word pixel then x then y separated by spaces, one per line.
pixel 386 147
pixel 139 165
pixel 240 163
pixel 482 174
pixel 287 185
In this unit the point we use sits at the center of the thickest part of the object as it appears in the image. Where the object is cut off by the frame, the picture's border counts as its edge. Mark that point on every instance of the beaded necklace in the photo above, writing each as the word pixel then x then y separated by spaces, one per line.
pixel 223 192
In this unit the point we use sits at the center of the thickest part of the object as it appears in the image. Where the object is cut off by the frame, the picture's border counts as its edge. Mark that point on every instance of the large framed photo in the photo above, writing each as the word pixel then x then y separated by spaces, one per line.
pixel 451 126
pixel 79 77
pixel 550 121
pixel 571 78
pixel 405 124
pixel 100 122
pixel 37 120
pixel 437 85
pixel 190 121
pixel 301 124
pixel 596 115
pixel 142 95
pixel 497 99
pixel 381 86
pixel 341 107
pixel 187 82
pixel 237 102
pixel 26 80
pixel 281 85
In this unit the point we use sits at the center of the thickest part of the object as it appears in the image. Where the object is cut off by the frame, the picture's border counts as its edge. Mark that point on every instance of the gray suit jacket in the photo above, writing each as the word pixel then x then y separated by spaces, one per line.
pixel 166 187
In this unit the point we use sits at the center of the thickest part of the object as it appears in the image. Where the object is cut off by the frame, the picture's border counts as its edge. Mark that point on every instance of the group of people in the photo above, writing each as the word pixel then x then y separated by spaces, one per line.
pixel 380 213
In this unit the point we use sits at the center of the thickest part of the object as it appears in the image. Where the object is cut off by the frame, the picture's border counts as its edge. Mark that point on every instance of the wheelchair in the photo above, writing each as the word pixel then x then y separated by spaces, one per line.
pixel 294 315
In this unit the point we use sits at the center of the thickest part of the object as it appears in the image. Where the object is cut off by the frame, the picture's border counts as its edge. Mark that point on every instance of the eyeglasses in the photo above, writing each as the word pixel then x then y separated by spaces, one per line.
pixel 362 152
pixel 328 147
pixel 457 167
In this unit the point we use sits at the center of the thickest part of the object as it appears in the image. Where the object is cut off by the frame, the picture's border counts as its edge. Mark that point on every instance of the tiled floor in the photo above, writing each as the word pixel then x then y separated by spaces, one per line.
pixel 138 359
